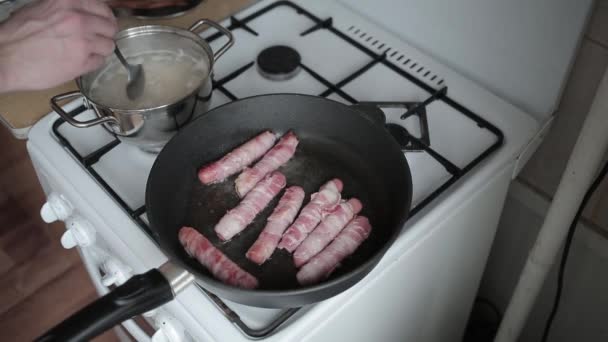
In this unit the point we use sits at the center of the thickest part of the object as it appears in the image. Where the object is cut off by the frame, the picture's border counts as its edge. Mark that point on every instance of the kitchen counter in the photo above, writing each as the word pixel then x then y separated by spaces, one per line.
pixel 20 110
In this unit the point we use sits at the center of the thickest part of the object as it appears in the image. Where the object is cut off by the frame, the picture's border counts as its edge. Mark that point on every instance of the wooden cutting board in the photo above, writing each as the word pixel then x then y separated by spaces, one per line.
pixel 20 110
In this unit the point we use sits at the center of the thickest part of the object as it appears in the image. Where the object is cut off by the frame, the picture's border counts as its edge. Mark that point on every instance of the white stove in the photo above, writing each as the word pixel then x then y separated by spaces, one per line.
pixel 422 289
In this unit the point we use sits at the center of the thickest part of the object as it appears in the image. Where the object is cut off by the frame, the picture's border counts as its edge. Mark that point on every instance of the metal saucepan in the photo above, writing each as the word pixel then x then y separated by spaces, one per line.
pixel 150 128
pixel 335 141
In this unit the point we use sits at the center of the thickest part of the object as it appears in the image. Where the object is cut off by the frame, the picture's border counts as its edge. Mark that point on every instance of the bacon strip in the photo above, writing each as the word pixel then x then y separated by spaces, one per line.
pixel 345 244
pixel 238 218
pixel 272 160
pixel 237 159
pixel 320 202
pixel 326 231
pixel 281 217
pixel 224 269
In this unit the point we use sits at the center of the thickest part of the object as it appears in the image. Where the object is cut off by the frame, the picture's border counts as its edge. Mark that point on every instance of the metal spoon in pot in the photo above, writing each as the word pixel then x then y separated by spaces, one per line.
pixel 135 78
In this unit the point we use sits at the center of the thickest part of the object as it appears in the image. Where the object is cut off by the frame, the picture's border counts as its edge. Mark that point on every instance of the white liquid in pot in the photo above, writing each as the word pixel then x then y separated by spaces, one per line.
pixel 169 77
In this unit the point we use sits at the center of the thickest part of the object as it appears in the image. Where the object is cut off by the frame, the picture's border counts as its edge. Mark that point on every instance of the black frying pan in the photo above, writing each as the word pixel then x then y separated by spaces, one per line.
pixel 335 141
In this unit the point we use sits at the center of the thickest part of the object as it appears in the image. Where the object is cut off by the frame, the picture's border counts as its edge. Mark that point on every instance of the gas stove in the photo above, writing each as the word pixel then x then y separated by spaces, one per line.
pixel 450 130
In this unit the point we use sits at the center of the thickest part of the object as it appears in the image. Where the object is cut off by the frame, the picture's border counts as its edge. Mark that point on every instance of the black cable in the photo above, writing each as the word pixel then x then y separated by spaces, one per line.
pixel 562 266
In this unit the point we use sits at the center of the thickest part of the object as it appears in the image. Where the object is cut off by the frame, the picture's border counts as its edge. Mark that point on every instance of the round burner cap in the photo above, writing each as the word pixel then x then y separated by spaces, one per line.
pixel 279 63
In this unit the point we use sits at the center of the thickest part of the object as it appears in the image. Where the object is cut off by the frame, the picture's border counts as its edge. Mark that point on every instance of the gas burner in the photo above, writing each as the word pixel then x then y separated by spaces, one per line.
pixel 372 112
pixel 279 63
pixel 375 111
pixel 401 135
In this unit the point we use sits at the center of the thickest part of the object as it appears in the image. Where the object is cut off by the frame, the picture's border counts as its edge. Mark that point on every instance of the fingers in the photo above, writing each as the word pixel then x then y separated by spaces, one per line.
pixel 101 26
pixel 96 7
pixel 102 46
pixel 90 53
pixel 78 23
pixel 93 62
pixel 96 52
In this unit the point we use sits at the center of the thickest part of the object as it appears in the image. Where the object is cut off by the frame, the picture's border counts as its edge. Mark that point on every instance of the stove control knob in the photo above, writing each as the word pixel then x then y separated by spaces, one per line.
pixel 108 280
pixel 56 208
pixel 79 232
pixel 116 273
pixel 169 329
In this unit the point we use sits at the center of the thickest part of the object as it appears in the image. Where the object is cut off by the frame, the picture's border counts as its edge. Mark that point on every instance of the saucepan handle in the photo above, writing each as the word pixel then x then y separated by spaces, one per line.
pixel 197 25
pixel 141 293
pixel 80 124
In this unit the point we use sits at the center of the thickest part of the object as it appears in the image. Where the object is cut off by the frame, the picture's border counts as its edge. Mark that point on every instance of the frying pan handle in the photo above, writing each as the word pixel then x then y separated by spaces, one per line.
pixel 141 293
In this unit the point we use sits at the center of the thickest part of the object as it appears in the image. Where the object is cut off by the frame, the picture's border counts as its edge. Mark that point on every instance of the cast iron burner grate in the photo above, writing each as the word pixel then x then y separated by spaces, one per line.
pixel 408 141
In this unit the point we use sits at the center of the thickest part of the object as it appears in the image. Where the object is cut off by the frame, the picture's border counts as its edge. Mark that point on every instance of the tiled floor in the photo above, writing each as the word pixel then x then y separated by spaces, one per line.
pixel 40 282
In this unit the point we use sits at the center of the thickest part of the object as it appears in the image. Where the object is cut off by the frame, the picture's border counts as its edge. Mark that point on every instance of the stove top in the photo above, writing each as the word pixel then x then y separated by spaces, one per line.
pixel 442 140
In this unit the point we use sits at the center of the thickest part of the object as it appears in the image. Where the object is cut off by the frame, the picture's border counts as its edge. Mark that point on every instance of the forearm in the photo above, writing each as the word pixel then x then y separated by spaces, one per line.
pixel 7 67
pixel 5 76
pixel 4 33
pixel 4 67
pixel 6 26
pixel 4 82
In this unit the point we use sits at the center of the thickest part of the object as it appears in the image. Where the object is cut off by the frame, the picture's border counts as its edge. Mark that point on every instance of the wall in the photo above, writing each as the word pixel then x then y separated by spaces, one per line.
pixel 584 306
pixel 545 168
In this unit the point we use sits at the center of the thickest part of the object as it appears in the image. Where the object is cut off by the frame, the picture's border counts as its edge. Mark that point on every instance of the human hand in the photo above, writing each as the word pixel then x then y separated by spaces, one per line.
pixel 49 42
